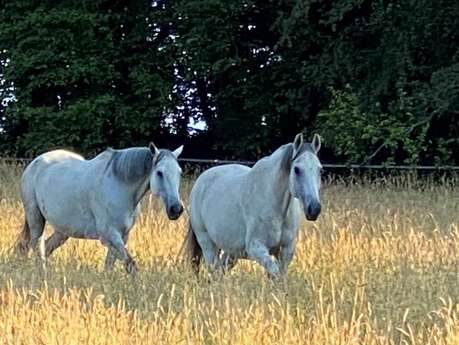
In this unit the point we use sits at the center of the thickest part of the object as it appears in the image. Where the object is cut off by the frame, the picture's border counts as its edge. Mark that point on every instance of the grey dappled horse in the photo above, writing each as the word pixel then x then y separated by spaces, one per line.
pixel 97 198
pixel 241 212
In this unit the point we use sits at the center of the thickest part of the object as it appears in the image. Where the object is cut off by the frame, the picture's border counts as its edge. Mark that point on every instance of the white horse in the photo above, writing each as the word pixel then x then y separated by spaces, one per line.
pixel 95 199
pixel 241 212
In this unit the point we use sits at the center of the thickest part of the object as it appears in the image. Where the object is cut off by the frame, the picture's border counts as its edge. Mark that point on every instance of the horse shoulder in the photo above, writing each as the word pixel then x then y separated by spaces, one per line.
pixel 292 221
pixel 112 205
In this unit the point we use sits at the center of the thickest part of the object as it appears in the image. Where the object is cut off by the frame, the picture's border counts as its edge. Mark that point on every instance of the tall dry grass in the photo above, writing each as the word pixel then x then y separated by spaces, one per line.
pixel 379 267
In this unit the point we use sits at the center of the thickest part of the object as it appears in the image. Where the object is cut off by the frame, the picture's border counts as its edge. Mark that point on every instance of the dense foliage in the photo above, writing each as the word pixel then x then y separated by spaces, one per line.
pixel 368 75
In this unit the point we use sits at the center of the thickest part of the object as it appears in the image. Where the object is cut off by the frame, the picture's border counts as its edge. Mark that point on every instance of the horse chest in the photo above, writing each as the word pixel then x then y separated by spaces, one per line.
pixel 270 230
pixel 274 238
pixel 130 218
pixel 276 231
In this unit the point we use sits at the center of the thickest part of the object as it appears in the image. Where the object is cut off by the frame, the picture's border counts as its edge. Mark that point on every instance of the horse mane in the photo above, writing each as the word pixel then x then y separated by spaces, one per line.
pixel 131 165
pixel 287 156
pixel 135 163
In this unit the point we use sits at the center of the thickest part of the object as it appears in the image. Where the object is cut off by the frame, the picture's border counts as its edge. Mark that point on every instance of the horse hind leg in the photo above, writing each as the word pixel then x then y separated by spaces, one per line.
pixel 53 242
pixel 32 233
pixel 227 261
pixel 209 250
pixel 198 245
pixel 23 242
pixel 36 223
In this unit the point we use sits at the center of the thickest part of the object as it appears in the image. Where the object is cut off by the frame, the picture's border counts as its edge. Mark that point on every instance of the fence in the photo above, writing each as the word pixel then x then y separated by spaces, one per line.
pixel 209 162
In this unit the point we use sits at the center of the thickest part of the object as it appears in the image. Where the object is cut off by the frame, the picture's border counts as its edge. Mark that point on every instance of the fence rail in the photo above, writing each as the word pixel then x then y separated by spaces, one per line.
pixel 325 165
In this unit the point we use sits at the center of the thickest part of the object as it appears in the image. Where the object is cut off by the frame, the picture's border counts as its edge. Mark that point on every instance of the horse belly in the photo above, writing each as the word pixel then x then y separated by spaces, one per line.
pixel 230 240
pixel 227 231
pixel 69 215
pixel 78 223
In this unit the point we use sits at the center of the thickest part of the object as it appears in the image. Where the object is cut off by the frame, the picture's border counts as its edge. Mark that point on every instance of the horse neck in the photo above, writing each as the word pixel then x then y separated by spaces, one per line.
pixel 140 190
pixel 271 179
pixel 134 189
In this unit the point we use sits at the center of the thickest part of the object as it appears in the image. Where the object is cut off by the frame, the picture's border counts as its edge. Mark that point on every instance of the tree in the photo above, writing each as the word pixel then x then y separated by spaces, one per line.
pixel 85 75
pixel 379 80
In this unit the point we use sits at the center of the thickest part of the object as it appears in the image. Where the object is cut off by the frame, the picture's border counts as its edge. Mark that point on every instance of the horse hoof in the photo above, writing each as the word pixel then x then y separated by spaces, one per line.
pixel 131 267
pixel 274 275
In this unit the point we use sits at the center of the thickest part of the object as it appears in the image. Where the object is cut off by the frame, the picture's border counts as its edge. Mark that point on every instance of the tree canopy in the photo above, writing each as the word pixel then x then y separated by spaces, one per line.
pixel 368 76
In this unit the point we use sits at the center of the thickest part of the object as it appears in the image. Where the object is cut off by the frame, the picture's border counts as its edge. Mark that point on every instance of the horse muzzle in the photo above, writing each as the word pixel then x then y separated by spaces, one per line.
pixel 312 211
pixel 174 211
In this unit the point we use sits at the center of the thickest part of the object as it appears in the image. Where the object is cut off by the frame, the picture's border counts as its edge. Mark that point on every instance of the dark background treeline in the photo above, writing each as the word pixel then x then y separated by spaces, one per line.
pixel 364 74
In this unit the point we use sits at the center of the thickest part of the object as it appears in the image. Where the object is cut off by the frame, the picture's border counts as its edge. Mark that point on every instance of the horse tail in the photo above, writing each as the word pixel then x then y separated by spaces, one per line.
pixel 192 249
pixel 21 246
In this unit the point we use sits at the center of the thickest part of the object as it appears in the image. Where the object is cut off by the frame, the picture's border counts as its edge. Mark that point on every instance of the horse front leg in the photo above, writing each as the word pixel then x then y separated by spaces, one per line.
pixel 285 256
pixel 112 255
pixel 258 251
pixel 114 241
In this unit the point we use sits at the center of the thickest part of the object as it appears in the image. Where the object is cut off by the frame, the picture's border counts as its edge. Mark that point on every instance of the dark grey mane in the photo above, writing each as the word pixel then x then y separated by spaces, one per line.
pixel 287 157
pixel 134 164
pixel 131 165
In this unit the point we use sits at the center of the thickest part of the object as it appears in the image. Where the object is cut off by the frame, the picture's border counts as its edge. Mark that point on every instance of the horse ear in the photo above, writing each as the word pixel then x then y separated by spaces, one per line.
pixel 297 143
pixel 178 151
pixel 316 143
pixel 153 149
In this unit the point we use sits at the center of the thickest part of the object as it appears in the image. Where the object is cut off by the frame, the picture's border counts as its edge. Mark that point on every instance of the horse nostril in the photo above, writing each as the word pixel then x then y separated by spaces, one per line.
pixel 175 209
pixel 314 208
pixel 318 208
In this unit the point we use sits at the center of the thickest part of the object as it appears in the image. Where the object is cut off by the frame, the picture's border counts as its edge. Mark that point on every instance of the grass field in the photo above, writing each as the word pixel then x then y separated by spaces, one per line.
pixel 380 266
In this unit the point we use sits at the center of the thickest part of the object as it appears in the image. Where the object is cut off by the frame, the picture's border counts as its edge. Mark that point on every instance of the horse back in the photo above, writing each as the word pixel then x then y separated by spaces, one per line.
pixel 222 176
pixel 59 156
pixel 60 185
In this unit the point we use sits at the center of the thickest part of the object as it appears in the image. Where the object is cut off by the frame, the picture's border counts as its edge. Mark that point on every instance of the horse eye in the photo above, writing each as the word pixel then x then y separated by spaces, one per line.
pixel 160 174
pixel 297 171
